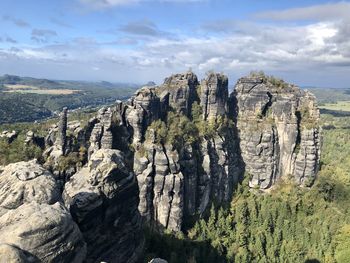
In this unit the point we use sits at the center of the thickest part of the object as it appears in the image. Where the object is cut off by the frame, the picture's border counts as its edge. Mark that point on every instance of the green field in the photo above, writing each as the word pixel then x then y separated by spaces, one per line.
pixel 338 106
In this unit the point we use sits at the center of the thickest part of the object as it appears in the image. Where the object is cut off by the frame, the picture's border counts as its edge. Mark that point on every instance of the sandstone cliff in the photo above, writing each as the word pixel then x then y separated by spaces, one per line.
pixel 278 131
pixel 265 129
pixel 161 158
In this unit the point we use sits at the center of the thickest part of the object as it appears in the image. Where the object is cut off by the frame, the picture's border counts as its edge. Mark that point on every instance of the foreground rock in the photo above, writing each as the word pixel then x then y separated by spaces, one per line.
pixel 13 254
pixel 26 182
pixel 48 232
pixel 103 199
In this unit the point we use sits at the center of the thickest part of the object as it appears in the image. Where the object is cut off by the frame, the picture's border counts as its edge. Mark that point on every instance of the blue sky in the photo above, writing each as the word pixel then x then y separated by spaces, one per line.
pixel 306 42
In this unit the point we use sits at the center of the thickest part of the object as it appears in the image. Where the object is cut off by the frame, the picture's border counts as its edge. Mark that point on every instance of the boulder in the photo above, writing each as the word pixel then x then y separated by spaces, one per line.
pixel 45 231
pixel 25 182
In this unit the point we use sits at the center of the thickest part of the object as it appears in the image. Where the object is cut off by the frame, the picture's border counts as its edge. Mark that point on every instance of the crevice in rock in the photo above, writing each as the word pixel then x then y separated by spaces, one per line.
pixel 267 105
pixel 171 197
pixel 151 207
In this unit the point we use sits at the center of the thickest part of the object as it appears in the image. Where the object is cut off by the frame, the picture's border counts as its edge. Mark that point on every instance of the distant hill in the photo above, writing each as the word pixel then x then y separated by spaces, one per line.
pixel 330 95
pixel 29 99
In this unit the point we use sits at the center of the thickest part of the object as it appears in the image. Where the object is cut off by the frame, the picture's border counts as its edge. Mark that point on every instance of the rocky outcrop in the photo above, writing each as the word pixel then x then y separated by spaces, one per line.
pixel 214 95
pixel 179 182
pixel 139 112
pixel 11 253
pixel 103 199
pixel 57 139
pixel 101 135
pixel 161 185
pixel 48 232
pixel 278 131
pixel 262 129
pixel 162 157
pixel 182 90
pixel 10 136
pixel 26 182
pixel 33 221
pixel 62 131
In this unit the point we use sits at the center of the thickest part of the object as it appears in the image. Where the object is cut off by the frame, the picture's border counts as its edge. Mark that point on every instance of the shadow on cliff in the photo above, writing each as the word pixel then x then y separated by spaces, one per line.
pixel 178 249
pixel 238 164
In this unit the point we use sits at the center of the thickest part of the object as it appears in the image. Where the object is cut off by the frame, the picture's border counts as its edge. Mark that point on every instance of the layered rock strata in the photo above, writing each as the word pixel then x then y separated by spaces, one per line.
pixel 278 131
pixel 136 167
pixel 103 199
pixel 177 183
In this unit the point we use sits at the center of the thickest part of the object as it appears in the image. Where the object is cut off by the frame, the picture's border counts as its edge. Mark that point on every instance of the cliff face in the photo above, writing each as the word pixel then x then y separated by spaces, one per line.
pixel 178 180
pixel 162 157
pixel 278 131
pixel 274 133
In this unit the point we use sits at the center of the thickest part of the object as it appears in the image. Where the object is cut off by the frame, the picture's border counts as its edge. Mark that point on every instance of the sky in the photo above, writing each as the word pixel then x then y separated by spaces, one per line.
pixel 306 42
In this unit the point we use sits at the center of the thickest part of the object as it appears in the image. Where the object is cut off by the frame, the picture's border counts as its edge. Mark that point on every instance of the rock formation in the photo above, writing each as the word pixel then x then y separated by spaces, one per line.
pixel 214 95
pixel 101 135
pixel 174 182
pixel 161 157
pixel 278 131
pixel 33 221
pixel 103 199
pixel 182 91
pixel 61 140
pixel 26 182
pixel 9 136
pixel 57 139
pixel 262 128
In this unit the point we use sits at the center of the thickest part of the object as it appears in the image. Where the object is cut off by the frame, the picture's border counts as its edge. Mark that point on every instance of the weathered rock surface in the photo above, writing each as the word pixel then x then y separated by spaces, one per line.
pixel 269 140
pixel 10 136
pixel 278 131
pixel 57 139
pixel 25 182
pixel 161 185
pixel 101 135
pixel 182 91
pixel 177 183
pixel 47 232
pixel 13 254
pixel 266 128
pixel 103 199
pixel 139 112
pixel 214 95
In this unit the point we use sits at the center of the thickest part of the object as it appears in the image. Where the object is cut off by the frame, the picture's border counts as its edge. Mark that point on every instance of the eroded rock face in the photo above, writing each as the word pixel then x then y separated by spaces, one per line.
pixel 142 109
pixel 32 218
pixel 266 128
pixel 103 199
pixel 101 135
pixel 26 182
pixel 278 131
pixel 161 185
pixel 11 253
pixel 214 95
pixel 10 136
pixel 182 91
pixel 47 232
pixel 176 183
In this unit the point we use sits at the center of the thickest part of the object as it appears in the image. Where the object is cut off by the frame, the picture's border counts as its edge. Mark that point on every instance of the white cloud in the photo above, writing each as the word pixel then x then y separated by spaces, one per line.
pixel 316 12
pixel 102 4
pixel 319 48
